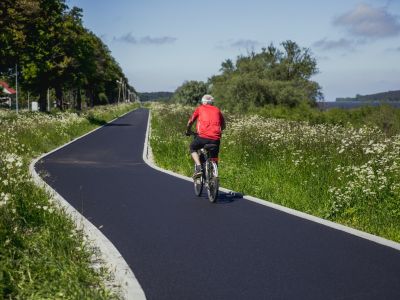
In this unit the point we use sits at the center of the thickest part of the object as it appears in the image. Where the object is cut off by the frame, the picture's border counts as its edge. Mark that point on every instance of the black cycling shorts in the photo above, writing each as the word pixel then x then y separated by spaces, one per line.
pixel 199 143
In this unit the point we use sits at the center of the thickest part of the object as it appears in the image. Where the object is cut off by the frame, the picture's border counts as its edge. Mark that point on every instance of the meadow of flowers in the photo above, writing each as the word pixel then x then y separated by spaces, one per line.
pixel 42 254
pixel 346 174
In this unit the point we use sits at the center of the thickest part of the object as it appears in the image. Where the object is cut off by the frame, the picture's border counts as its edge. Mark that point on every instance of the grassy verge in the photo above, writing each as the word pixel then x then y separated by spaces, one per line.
pixel 347 174
pixel 384 116
pixel 42 255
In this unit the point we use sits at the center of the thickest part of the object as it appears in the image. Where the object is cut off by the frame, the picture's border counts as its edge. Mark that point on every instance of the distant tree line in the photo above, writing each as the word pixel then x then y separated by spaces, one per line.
pixel 272 76
pixel 155 96
pixel 390 96
pixel 53 50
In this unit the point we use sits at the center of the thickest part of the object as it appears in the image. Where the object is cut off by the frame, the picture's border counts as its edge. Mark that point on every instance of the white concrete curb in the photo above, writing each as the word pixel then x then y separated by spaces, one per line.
pixel 148 158
pixel 124 281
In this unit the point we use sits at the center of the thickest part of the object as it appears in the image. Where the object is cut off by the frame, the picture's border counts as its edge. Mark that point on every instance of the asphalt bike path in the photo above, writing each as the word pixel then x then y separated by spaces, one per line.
pixel 180 246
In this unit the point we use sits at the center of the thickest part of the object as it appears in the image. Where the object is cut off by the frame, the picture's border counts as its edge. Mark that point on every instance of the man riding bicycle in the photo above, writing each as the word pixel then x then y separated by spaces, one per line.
pixel 210 123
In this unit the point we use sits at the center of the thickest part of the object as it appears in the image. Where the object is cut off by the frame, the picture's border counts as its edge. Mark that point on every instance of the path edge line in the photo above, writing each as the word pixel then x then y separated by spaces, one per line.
pixel 124 282
pixel 148 159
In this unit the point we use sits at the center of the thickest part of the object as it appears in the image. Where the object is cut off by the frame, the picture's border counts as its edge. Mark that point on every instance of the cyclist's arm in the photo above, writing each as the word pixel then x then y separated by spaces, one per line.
pixel 223 125
pixel 192 119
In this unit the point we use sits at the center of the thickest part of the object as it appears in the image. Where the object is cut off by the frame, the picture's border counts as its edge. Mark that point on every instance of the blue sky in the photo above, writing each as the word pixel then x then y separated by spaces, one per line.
pixel 159 44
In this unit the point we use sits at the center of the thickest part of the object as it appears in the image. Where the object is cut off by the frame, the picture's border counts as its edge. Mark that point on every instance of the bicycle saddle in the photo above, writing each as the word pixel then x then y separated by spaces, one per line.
pixel 210 146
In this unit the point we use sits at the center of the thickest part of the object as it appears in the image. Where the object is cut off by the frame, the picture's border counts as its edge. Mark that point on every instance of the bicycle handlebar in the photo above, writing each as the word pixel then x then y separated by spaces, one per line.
pixel 191 133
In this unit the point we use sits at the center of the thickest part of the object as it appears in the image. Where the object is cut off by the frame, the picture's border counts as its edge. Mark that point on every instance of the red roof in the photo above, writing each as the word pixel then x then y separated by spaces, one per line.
pixel 6 88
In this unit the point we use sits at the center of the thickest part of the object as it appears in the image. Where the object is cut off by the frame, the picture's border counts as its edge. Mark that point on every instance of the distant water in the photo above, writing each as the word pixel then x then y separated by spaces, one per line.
pixel 353 104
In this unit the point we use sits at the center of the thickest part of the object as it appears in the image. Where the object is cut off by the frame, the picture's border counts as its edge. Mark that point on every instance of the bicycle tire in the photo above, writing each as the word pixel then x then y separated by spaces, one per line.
pixel 213 181
pixel 198 185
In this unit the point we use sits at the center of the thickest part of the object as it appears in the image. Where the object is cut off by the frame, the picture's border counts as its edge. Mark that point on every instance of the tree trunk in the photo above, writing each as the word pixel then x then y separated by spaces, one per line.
pixel 96 99
pixel 78 99
pixel 43 100
pixel 88 98
pixel 59 97
pixel 90 95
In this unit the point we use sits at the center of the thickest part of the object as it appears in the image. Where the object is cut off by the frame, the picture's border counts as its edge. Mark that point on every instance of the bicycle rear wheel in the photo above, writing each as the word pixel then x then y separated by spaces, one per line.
pixel 213 181
pixel 198 185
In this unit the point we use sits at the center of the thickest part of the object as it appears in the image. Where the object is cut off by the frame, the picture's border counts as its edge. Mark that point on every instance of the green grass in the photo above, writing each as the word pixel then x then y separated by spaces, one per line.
pixel 42 254
pixel 347 173
pixel 384 116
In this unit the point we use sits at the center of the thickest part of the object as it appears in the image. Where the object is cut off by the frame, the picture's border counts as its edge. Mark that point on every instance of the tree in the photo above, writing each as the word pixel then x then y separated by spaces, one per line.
pixel 297 63
pixel 43 48
pixel 54 50
pixel 190 92
pixel 16 16
pixel 272 76
pixel 227 66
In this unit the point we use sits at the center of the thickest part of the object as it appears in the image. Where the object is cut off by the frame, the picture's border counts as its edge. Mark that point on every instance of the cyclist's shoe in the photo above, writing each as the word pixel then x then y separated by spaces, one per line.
pixel 197 171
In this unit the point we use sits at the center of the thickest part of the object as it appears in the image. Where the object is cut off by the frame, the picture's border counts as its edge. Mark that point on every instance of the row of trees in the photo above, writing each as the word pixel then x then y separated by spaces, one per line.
pixel 155 96
pixel 52 49
pixel 379 97
pixel 272 76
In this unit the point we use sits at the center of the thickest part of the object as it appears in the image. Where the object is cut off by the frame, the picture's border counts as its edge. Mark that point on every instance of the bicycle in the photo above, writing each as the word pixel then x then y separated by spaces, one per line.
pixel 209 177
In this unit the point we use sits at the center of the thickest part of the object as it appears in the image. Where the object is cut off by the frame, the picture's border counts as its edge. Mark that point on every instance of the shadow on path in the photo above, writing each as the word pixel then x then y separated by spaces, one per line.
pixel 223 198
pixel 96 121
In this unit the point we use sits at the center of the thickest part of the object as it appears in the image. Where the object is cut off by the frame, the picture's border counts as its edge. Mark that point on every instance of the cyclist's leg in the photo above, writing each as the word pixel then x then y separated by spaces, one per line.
pixel 197 144
pixel 194 146
pixel 214 152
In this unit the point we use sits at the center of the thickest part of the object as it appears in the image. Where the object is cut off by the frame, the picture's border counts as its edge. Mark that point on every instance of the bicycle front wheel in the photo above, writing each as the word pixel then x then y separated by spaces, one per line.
pixel 213 181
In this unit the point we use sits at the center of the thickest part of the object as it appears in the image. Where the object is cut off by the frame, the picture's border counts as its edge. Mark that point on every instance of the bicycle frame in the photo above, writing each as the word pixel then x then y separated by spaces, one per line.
pixel 209 176
pixel 208 161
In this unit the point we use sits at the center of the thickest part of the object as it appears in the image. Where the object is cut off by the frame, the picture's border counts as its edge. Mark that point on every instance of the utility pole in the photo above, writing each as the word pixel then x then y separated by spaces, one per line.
pixel 48 100
pixel 119 89
pixel 28 102
pixel 16 87
pixel 126 92
pixel 123 91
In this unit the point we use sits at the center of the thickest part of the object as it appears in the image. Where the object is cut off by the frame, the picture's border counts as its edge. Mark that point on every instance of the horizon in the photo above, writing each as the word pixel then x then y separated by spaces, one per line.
pixel 337 100
pixel 160 45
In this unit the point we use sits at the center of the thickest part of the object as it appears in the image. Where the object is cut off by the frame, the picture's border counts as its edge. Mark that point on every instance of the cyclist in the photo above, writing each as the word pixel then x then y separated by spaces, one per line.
pixel 210 123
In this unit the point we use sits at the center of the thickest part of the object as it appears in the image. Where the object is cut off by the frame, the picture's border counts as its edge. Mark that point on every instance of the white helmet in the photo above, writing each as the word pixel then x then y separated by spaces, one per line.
pixel 207 99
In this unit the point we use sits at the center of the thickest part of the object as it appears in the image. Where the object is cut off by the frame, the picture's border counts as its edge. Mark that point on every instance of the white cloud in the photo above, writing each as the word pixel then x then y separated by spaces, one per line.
pixel 325 44
pixel 323 58
pixel 157 40
pixel 239 43
pixel 369 22
pixel 341 44
pixel 248 44
pixel 147 40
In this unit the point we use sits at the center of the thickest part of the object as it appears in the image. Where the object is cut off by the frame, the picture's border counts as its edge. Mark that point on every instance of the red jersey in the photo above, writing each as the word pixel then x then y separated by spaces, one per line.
pixel 210 121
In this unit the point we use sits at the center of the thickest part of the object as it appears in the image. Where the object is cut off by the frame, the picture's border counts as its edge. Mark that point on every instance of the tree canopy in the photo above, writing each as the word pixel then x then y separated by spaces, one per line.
pixel 272 76
pixel 190 92
pixel 54 50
